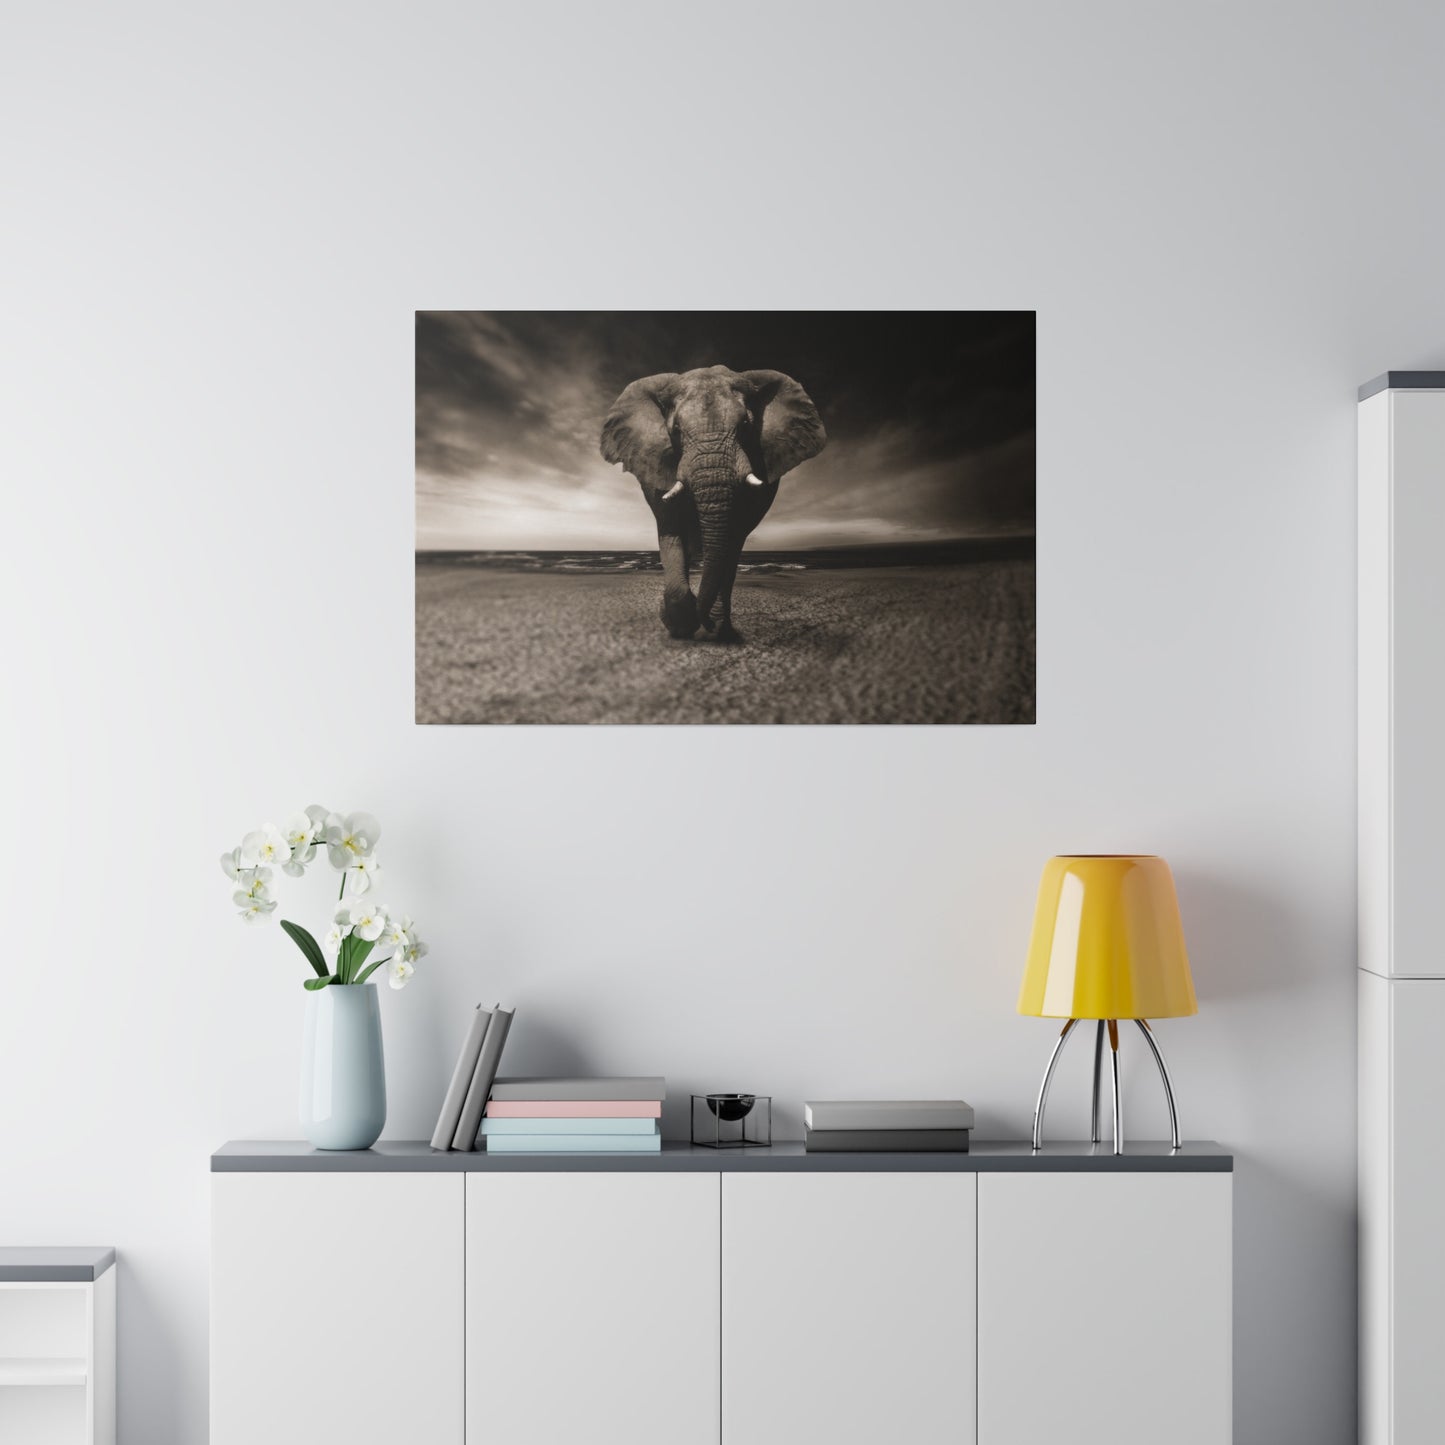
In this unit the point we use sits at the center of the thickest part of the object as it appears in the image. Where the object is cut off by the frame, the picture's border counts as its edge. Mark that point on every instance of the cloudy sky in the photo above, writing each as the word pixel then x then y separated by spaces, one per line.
pixel 930 419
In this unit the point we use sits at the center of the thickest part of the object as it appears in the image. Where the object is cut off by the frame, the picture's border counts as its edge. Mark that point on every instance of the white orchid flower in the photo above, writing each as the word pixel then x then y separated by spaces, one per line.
pixel 266 845
pixel 334 936
pixel 342 919
pixel 413 950
pixel 397 934
pixel 398 971
pixel 363 875
pixel 232 866
pixel 295 866
pixel 299 831
pixel 254 884
pixel 255 908
pixel 368 920
pixel 350 838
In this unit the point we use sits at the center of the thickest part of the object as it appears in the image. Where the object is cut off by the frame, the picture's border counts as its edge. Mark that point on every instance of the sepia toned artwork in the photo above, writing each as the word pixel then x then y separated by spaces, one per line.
pixel 725 517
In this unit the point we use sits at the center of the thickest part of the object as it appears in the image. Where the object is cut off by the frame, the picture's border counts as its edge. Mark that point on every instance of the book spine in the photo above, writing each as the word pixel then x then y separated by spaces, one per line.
pixel 576 1108
pixel 574 1144
pixel 451 1112
pixel 602 1090
pixel 482 1076
pixel 886 1141
pixel 492 1127
pixel 831 1114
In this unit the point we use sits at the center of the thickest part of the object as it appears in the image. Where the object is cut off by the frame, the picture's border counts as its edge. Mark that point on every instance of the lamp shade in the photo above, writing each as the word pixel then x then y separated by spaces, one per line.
pixel 1107 942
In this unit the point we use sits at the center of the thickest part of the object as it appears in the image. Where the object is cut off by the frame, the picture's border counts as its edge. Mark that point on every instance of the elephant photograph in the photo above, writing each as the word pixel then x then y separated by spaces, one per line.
pixel 725 517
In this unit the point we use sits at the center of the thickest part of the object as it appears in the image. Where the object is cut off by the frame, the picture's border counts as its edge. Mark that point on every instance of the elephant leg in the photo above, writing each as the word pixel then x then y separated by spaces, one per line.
pixel 726 632
pixel 679 606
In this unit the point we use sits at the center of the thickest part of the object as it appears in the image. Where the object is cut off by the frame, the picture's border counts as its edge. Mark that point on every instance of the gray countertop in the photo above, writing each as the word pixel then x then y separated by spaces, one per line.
pixel 46 1264
pixel 1404 381
pixel 281 1156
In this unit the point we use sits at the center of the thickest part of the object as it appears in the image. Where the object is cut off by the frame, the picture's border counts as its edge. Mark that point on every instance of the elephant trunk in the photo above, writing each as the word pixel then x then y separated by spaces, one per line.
pixel 719 546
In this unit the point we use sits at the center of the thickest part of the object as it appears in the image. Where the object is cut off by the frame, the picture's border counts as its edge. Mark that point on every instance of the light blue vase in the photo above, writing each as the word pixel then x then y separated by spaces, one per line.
pixel 343 1079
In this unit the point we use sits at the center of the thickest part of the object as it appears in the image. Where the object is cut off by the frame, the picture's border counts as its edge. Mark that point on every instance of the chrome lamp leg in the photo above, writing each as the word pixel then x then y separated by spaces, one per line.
pixel 1094 1134
pixel 1063 1038
pixel 1118 1097
pixel 1164 1075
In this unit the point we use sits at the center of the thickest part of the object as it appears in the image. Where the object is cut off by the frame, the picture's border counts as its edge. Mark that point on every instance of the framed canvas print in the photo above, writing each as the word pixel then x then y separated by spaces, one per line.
pixel 725 517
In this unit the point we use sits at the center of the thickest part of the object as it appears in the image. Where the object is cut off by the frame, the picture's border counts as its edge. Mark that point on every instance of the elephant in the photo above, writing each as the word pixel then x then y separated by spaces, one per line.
pixel 709 448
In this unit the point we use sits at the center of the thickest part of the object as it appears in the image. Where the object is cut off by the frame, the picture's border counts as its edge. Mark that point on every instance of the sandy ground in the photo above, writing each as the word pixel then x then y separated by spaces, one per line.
pixel 885 645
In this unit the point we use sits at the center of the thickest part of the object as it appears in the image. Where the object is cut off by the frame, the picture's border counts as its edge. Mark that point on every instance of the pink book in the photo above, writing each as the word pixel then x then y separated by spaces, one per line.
pixel 575 1109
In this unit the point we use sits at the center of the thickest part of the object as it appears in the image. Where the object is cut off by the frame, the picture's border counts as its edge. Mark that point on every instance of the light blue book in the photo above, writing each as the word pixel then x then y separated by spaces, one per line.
pixel 574 1144
pixel 494 1127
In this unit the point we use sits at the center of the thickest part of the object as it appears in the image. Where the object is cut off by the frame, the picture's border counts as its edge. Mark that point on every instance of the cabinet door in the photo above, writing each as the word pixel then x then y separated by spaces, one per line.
pixel 1417 672
pixel 592 1309
pixel 1104 1307
pixel 336 1308
pixel 1416 1158
pixel 848 1308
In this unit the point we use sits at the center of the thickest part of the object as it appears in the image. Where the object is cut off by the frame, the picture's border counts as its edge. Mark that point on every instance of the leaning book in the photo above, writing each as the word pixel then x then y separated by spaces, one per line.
pixel 482 1077
pixel 451 1113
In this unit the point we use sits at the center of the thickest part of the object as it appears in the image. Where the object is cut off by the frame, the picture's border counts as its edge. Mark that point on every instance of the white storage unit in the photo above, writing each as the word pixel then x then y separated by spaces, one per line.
pixel 1401 864
pixel 57 1346
pixel 705 1297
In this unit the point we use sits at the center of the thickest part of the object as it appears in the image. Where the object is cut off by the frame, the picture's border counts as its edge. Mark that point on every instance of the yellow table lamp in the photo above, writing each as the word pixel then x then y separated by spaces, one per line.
pixel 1107 944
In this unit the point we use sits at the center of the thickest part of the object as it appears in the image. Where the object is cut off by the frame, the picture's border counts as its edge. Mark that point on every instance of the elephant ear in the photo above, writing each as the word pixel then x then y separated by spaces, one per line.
pixel 636 434
pixel 789 426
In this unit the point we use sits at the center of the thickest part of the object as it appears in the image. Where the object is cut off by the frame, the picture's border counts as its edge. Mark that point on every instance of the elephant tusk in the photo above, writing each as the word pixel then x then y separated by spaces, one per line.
pixel 676 488
pixel 754 481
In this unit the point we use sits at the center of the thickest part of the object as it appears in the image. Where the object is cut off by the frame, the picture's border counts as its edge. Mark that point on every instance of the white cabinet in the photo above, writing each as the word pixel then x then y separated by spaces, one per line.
pixel 592 1308
pixel 336 1308
pixel 1104 1308
pixel 1401 944
pixel 700 1298
pixel 57 1360
pixel 848 1308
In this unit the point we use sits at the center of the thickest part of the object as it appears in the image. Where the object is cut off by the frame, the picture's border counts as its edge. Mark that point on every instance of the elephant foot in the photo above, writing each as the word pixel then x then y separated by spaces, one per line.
pixel 726 632
pixel 679 613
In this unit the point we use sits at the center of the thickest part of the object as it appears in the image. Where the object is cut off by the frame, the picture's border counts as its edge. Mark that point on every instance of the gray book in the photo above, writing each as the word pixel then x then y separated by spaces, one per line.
pixel 482 1077
pixel 516 1091
pixel 889 1114
pixel 886 1141
pixel 451 1113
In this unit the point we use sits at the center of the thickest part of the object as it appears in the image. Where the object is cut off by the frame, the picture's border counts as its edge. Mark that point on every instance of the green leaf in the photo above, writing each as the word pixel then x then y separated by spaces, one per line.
pixel 360 948
pixel 314 983
pixel 308 946
pixel 371 968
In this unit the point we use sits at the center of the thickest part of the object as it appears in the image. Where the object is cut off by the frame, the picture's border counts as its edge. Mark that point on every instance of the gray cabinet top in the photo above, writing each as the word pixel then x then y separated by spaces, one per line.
pixel 1404 381
pixel 417 1157
pixel 48 1264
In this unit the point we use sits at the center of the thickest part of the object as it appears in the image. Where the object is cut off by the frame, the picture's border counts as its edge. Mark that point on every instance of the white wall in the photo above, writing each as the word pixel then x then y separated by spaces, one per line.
pixel 217 224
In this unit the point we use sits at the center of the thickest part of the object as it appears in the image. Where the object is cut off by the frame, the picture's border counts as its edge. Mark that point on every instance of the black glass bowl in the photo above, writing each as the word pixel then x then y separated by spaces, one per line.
pixel 731 1107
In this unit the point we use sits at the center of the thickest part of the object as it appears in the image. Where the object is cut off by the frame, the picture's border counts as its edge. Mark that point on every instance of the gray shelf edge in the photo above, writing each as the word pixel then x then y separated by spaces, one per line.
pixel 1403 381
pixel 286 1157
pixel 46 1264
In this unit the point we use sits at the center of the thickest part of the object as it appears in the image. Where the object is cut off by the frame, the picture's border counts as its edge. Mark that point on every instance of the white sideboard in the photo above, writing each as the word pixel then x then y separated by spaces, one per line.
pixel 700 1297
pixel 57 1346
pixel 1401 862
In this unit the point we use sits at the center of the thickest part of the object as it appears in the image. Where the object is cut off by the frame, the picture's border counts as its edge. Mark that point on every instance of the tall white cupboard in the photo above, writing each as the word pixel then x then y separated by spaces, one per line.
pixel 1401 893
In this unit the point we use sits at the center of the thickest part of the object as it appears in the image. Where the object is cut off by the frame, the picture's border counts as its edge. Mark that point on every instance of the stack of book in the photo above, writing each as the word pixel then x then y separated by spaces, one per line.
pixel 913 1126
pixel 461 1114
pixel 575 1116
